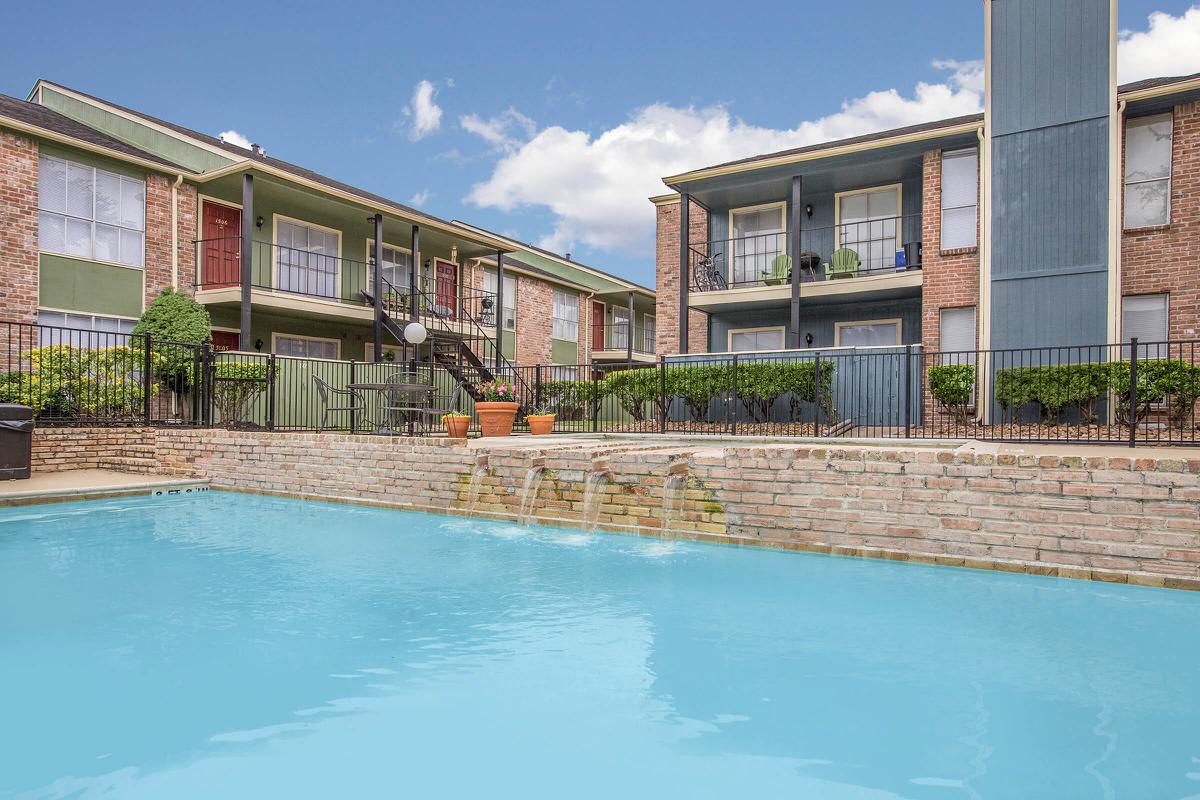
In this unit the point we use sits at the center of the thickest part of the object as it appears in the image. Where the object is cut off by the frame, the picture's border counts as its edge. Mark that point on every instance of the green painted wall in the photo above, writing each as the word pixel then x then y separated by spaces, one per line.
pixel 75 285
pixel 564 352
pixel 508 345
pixel 139 134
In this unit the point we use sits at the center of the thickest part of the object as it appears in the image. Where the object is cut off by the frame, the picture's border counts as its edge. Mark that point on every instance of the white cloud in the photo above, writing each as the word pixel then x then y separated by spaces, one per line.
pixel 422 116
pixel 1170 46
pixel 504 132
pixel 234 138
pixel 420 198
pixel 596 186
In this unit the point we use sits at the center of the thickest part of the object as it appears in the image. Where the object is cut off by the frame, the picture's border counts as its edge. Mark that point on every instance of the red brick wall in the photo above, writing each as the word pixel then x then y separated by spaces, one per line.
pixel 535 307
pixel 667 272
pixel 18 227
pixel 585 330
pixel 951 277
pixel 1167 258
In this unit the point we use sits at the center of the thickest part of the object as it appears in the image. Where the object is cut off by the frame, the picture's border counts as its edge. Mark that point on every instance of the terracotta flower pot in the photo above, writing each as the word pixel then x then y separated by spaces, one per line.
pixel 540 424
pixel 495 418
pixel 456 427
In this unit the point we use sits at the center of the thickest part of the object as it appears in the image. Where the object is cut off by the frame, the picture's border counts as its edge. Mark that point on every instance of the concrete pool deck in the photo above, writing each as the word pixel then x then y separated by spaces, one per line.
pixel 91 484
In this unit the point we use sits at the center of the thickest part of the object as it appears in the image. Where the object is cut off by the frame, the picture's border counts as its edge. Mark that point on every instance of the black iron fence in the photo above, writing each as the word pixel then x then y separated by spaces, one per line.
pixel 1133 393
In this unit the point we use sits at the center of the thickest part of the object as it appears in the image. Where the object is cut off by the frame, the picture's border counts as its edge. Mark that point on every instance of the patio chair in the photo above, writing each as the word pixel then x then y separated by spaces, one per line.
pixel 843 263
pixel 330 395
pixel 780 271
pixel 418 402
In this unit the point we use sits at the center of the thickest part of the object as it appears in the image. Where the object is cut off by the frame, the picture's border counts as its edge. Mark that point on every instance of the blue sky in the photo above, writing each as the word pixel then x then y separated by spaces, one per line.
pixel 554 122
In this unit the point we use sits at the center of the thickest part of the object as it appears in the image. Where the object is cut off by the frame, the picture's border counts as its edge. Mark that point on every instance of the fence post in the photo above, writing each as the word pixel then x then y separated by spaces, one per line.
pixel 1133 398
pixel 271 392
pixel 196 384
pixel 353 413
pixel 664 406
pixel 595 400
pixel 537 387
pixel 206 378
pixel 733 399
pixel 147 380
pixel 908 391
pixel 817 394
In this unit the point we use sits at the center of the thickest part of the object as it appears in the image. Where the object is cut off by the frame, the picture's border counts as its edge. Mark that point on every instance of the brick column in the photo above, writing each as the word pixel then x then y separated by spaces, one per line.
pixel 535 314
pixel 18 228
pixel 666 333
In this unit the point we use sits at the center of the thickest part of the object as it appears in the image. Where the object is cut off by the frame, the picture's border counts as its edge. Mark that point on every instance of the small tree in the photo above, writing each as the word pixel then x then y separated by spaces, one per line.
pixel 176 324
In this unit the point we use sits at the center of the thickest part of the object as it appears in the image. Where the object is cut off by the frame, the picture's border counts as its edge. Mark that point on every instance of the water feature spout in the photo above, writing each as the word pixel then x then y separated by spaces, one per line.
pixel 475 484
pixel 674 488
pixel 593 493
pixel 529 491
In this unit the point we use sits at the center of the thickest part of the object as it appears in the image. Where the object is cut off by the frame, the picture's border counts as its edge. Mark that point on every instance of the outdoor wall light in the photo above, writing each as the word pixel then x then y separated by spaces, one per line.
pixel 808 210
pixel 258 343
pixel 808 339
pixel 259 223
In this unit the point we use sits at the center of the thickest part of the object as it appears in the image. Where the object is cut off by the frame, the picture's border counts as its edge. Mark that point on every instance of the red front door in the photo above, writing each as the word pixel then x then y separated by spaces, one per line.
pixel 221 247
pixel 224 341
pixel 446 278
pixel 597 326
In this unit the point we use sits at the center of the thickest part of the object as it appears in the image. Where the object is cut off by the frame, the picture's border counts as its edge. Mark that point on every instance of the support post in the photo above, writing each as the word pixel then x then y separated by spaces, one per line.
pixel 412 275
pixel 499 305
pixel 818 392
pixel 794 233
pixel 1133 397
pixel 147 379
pixel 629 336
pixel 731 399
pixel 377 286
pixel 685 202
pixel 664 403
pixel 908 352
pixel 245 336
pixel 271 399
pixel 353 412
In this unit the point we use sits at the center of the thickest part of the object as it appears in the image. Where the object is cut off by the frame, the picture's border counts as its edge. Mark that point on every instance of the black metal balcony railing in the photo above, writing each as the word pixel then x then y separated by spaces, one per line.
pixel 849 250
pixel 616 336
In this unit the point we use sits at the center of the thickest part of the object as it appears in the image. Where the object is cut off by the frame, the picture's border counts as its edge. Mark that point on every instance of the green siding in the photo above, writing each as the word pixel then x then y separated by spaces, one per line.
pixel 139 134
pixel 75 285
pixel 564 352
pixel 92 160
pixel 508 345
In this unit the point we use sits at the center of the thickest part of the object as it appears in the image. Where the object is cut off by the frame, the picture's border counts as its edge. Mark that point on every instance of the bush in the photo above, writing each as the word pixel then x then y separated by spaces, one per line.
pixel 697 384
pixel 1171 381
pixel 237 384
pixel 953 386
pixel 634 390
pixel 570 400
pixel 70 382
pixel 176 325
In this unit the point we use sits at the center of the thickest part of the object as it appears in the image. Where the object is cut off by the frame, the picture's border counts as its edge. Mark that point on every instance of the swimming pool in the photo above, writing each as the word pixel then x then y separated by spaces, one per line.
pixel 236 646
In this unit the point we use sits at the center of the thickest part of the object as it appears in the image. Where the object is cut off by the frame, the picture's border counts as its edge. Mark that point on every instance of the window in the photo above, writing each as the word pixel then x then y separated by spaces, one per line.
pixel 620 328
pixel 745 340
pixel 867 224
pixel 648 334
pixel 960 198
pixel 1148 171
pixel 83 330
pixel 566 316
pixel 509 299
pixel 307 259
pixel 304 347
pixel 397 265
pixel 757 238
pixel 1145 316
pixel 391 352
pixel 956 335
pixel 90 213
pixel 870 333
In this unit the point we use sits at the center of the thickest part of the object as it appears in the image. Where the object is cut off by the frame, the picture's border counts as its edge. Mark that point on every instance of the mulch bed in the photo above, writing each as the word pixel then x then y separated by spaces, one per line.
pixel 1066 432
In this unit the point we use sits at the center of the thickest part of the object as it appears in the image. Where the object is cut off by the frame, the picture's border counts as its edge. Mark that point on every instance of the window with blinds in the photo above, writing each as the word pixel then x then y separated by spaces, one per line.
pixel 509 299
pixel 90 213
pixel 1148 171
pixel 565 324
pixel 956 335
pixel 1145 317
pixel 960 198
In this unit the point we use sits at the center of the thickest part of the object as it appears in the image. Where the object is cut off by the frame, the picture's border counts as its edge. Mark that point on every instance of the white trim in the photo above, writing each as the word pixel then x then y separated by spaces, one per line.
pixel 895 321
pixel 337 280
pixel 782 329
pixel 275 336
pixel 85 313
pixel 1116 178
pixel 984 133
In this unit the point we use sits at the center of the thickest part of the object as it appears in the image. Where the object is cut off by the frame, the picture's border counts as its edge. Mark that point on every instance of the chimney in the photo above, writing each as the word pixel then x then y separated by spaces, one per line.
pixel 568 256
pixel 257 150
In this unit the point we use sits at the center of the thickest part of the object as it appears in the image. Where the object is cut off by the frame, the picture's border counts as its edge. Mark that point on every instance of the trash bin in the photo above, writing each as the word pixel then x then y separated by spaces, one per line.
pixel 16 441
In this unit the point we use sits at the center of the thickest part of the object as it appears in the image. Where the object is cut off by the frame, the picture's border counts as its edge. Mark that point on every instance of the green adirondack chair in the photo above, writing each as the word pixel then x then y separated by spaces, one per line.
pixel 843 263
pixel 780 271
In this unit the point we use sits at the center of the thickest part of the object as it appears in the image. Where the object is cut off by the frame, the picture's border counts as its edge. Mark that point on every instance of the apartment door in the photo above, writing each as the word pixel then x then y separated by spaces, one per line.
pixel 223 341
pixel 221 250
pixel 446 279
pixel 597 326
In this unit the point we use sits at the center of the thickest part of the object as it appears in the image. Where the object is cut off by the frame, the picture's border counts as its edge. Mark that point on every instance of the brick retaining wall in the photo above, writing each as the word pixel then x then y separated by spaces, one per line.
pixel 1107 518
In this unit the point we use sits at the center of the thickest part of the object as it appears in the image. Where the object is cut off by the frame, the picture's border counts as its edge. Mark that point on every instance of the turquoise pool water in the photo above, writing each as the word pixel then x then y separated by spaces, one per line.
pixel 229 646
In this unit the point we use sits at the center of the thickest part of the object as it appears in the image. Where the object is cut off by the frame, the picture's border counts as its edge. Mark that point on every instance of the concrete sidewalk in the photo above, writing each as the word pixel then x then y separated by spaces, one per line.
pixel 89 484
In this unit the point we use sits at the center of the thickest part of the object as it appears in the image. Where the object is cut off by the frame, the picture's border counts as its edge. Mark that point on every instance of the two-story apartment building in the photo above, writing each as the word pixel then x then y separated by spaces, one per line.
pixel 103 207
pixel 1067 213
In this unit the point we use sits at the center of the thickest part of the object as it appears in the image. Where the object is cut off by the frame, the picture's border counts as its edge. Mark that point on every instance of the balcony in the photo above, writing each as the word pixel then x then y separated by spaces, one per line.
pixel 610 342
pixel 878 255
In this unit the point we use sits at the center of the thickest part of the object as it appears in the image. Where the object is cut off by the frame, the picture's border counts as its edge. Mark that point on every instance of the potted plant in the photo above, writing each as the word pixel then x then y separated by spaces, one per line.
pixel 541 421
pixel 456 424
pixel 497 409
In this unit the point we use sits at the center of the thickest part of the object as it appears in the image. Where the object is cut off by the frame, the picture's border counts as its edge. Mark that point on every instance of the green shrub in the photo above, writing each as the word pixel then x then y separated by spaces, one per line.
pixel 571 399
pixel 953 386
pixel 761 383
pixel 237 384
pixel 69 382
pixel 1170 381
pixel 633 389
pixel 697 384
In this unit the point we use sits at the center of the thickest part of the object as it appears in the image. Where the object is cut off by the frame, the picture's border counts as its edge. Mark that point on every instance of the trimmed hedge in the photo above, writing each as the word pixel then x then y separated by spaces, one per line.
pixel 236 385
pixel 73 382
pixel 953 385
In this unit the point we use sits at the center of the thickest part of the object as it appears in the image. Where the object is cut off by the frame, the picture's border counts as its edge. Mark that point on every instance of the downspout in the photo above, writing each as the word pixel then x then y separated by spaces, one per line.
pixel 984 317
pixel 175 230
pixel 1115 225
